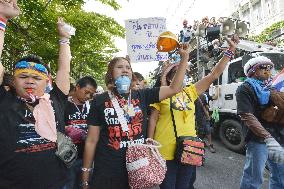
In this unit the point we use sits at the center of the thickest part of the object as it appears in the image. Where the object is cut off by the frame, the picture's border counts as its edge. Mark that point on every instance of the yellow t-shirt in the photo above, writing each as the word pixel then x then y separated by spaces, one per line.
pixel 183 110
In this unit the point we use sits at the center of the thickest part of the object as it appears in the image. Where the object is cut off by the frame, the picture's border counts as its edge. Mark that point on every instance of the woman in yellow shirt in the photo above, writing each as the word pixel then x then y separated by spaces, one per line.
pixel 161 126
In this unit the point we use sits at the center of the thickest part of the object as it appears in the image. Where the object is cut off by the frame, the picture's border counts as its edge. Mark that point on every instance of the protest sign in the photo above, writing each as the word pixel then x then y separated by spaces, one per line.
pixel 141 37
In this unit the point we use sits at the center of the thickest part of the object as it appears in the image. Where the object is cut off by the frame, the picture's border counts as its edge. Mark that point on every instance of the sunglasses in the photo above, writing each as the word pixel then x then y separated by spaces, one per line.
pixel 265 67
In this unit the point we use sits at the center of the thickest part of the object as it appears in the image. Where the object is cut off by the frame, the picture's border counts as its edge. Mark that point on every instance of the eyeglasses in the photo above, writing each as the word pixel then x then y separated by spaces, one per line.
pixel 265 67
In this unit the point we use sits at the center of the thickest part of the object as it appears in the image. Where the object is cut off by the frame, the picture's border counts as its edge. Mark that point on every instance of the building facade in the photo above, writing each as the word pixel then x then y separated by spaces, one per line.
pixel 259 13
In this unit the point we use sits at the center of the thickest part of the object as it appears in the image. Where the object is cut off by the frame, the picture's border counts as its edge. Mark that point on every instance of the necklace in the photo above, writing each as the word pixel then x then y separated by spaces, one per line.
pixel 128 107
pixel 80 111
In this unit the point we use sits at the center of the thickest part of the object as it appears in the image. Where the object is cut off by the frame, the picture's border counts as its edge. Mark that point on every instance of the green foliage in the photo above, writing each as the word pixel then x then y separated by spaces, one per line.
pixel 34 32
pixel 266 34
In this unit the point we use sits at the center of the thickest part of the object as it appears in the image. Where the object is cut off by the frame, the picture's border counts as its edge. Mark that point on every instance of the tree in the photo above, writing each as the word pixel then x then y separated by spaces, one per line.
pixel 266 35
pixel 34 32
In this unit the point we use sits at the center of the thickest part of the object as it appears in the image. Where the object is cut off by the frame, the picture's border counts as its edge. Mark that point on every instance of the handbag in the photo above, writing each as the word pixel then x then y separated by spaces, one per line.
pixel 145 166
pixel 66 149
pixel 189 150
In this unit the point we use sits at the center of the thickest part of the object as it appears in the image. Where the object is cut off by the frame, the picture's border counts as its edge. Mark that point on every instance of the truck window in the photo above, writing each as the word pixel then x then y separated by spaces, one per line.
pixel 236 72
pixel 277 59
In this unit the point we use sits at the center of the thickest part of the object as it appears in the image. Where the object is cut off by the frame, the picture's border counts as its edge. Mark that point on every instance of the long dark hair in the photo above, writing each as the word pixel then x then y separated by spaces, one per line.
pixel 109 80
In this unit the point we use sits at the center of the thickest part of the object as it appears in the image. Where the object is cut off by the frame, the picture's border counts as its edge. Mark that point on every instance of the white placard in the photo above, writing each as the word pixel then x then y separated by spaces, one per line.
pixel 141 37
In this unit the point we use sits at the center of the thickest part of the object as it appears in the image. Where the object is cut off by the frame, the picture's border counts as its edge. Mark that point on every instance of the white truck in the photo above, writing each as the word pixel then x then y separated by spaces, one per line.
pixel 229 128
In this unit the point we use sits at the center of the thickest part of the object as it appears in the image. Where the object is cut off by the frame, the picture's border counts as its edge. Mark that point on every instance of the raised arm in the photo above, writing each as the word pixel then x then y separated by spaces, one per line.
pixel 203 84
pixel 63 72
pixel 176 85
pixel 8 10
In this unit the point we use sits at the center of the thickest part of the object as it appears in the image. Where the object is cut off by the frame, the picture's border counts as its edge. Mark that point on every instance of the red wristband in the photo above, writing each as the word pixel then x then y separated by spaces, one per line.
pixel 3 23
pixel 3 20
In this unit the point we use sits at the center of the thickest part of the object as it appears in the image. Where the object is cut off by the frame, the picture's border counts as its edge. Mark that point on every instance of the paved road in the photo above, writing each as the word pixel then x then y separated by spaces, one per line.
pixel 222 170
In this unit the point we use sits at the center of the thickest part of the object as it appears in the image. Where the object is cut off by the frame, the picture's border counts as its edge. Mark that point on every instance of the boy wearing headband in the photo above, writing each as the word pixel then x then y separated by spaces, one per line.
pixel 28 125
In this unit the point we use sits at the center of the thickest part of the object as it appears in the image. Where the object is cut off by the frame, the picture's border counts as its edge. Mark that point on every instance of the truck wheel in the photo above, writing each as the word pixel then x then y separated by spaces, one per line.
pixel 230 133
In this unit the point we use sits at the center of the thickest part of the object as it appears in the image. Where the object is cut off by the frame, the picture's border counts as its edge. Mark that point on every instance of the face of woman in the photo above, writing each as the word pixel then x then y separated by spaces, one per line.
pixel 122 68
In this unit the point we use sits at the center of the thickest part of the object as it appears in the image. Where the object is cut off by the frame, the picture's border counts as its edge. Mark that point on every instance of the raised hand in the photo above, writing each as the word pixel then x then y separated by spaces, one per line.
pixel 184 50
pixel 61 31
pixel 9 9
pixel 233 42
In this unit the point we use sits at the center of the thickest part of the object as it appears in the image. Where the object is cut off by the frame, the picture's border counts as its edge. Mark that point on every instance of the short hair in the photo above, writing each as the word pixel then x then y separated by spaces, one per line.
pixel 138 76
pixel 87 80
pixel 35 59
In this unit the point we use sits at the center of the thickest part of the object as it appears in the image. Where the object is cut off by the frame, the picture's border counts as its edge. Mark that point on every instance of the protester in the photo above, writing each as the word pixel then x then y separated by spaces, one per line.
pixel 186 32
pixel 108 135
pixel 203 118
pixel 76 112
pixel 263 138
pixel 161 127
pixel 27 119
pixel 212 22
pixel 139 82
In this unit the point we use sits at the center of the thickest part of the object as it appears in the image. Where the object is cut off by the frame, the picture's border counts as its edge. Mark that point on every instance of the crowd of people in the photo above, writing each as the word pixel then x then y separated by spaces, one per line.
pixel 103 124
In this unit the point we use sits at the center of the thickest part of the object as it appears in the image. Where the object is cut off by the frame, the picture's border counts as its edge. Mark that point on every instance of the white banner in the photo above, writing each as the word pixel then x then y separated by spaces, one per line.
pixel 141 37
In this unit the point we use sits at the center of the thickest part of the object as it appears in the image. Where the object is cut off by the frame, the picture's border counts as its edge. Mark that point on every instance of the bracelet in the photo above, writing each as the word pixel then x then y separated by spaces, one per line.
pixel 3 23
pixel 84 183
pixel 84 169
pixel 228 53
pixel 64 41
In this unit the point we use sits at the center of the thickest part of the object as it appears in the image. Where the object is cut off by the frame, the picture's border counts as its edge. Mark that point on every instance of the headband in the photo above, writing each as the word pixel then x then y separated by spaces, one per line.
pixel 31 67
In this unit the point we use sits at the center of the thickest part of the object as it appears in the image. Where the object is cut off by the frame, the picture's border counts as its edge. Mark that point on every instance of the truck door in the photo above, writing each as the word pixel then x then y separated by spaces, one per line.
pixel 232 78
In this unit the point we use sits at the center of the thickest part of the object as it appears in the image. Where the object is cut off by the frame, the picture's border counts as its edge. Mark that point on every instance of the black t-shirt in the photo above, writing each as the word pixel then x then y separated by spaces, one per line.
pixel 27 161
pixel 76 124
pixel 247 102
pixel 113 142
pixel 200 116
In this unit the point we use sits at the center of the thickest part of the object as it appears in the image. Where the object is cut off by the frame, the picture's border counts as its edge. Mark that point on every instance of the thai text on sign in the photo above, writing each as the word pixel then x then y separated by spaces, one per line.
pixel 141 37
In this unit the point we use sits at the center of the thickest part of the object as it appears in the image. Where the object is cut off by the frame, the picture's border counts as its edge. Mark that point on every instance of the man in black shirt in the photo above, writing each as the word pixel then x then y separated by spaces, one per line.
pixel 203 119
pixel 76 112
pixel 265 140
pixel 28 123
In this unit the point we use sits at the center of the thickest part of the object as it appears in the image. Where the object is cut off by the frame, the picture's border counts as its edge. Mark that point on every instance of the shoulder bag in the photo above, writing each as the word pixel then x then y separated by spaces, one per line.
pixel 66 149
pixel 189 150
pixel 145 165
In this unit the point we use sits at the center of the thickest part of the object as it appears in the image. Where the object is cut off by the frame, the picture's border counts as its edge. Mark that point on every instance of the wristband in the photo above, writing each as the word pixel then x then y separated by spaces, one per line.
pixel 64 41
pixel 228 53
pixel 84 169
pixel 3 23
